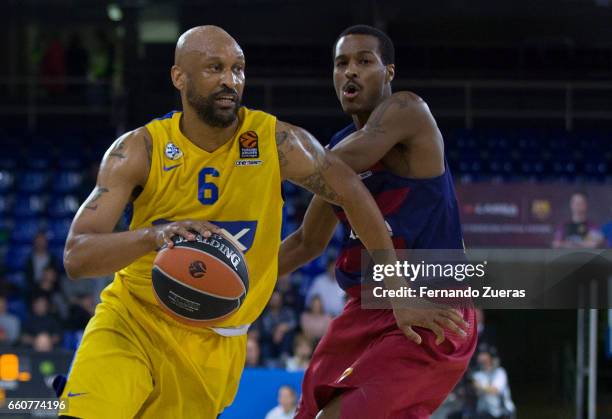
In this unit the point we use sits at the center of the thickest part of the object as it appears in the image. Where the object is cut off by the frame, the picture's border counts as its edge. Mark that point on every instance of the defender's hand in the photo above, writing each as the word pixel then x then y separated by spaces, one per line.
pixel 434 318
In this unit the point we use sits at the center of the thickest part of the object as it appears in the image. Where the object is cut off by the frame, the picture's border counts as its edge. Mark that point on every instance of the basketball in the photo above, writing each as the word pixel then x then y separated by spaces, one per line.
pixel 200 282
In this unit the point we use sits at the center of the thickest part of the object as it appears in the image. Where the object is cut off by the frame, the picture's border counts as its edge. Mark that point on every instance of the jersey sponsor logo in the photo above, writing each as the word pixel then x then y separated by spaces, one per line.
pixel 242 233
pixel 241 163
pixel 173 152
pixel 197 269
pixel 168 168
pixel 249 145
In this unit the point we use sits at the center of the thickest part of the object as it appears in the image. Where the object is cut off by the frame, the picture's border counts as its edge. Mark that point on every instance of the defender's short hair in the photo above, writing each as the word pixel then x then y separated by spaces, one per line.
pixel 385 45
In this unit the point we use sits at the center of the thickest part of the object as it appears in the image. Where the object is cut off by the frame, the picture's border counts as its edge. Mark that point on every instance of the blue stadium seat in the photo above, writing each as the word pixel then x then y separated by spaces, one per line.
pixel 66 181
pixel 28 206
pixel 6 223
pixel 32 181
pixel 58 230
pixel 6 203
pixel 289 189
pixel 17 256
pixel 57 251
pixel 24 230
pixel 69 158
pixel 63 206
pixel 315 267
pixel 17 279
pixel 7 180
pixel 37 162
pixel 19 308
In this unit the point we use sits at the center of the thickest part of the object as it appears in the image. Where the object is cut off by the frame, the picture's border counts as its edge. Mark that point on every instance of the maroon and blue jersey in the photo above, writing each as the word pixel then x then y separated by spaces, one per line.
pixel 419 213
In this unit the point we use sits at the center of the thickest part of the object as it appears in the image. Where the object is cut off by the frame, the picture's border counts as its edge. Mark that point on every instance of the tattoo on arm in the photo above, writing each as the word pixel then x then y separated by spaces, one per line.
pixel 149 147
pixel 315 181
pixel 283 146
pixel 317 184
pixel 118 151
pixel 374 124
pixel 97 194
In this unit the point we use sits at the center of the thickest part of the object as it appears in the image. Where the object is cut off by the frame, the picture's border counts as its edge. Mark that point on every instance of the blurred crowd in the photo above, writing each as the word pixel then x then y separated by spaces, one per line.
pixel 76 67
pixel 484 390
pixel 48 312
pixel 294 321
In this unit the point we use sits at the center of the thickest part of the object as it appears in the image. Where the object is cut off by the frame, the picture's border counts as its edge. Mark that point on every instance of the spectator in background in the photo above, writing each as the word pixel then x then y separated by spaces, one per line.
pixel 43 342
pixel 81 310
pixel 578 232
pixel 492 389
pixel 291 293
pixel 49 285
pixel 287 401
pixel 10 325
pixel 101 68
pixel 486 333
pixel 38 261
pixel 252 353
pixel 327 288
pixel 77 63
pixel 53 66
pixel 315 321
pixel 302 349
pixel 277 326
pixel 40 321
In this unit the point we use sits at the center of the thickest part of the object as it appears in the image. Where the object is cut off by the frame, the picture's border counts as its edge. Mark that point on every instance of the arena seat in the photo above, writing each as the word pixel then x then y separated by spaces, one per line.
pixel 17 256
pixel 32 181
pixel 61 206
pixel 67 181
pixel 27 205
pixel 7 180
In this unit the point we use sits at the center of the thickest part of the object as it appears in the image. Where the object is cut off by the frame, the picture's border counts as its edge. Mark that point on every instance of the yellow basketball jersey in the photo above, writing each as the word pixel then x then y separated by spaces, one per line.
pixel 237 187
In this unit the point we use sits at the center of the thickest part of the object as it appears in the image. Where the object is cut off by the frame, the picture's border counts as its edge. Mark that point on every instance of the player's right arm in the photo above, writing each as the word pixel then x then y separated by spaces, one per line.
pixel 310 239
pixel 92 248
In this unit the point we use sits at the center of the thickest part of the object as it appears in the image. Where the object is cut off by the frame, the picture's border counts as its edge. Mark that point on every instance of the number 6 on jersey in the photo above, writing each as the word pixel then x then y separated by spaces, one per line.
pixel 208 193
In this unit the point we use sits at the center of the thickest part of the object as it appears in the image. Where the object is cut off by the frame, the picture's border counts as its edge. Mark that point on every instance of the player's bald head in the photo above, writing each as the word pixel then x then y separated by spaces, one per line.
pixel 208 70
pixel 208 40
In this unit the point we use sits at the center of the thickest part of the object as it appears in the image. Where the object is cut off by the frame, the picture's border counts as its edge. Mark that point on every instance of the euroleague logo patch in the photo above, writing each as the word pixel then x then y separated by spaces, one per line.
pixel 249 145
pixel 197 269
pixel 173 152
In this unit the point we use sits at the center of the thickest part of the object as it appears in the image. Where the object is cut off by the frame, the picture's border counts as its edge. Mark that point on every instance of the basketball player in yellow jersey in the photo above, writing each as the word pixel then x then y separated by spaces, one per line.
pixel 213 167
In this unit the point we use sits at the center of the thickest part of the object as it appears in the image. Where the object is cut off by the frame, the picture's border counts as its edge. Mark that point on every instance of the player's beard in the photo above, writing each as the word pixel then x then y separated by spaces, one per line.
pixel 207 110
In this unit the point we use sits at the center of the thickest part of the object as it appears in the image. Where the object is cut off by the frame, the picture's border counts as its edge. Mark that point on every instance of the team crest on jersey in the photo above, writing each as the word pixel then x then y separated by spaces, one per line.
pixel 249 145
pixel 242 233
pixel 173 152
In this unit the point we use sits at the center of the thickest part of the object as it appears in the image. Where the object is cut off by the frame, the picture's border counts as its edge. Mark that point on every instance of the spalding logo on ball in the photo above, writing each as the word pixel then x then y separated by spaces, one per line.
pixel 200 282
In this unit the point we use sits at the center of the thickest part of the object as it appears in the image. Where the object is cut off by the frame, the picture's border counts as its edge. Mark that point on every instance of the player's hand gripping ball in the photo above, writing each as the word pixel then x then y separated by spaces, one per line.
pixel 200 282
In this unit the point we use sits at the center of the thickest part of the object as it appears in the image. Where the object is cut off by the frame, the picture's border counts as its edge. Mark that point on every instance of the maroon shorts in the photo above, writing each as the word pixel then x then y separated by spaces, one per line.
pixel 380 373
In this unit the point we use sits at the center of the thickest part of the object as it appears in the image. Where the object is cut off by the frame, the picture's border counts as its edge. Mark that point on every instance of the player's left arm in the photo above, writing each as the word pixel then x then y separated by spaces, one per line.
pixel 398 119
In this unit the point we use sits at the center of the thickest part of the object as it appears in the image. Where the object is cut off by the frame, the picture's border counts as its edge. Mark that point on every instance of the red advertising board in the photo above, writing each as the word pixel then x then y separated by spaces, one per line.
pixel 524 214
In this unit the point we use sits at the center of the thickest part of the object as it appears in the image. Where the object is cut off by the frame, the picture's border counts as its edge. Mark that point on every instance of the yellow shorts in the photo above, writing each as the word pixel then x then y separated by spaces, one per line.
pixel 135 362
